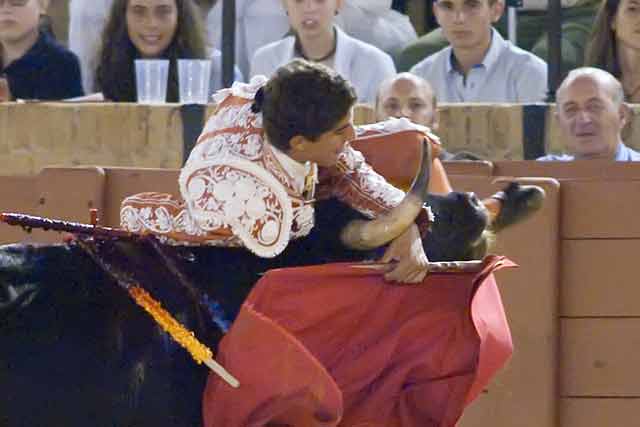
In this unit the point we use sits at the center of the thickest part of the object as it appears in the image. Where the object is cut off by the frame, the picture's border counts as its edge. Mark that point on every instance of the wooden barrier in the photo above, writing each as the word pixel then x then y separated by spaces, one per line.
pixel 504 131
pixel 36 135
pixel 33 136
pixel 599 312
pixel 529 379
pixel 572 305
pixel 529 383
pixel 64 193
pixel 600 309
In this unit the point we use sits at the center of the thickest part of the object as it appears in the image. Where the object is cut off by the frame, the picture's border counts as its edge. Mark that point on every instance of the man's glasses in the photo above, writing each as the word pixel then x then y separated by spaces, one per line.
pixel 14 3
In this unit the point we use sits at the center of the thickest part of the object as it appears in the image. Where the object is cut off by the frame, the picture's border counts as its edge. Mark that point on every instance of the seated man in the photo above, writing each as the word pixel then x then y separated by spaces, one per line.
pixel 532 33
pixel 34 64
pixel 480 66
pixel 591 114
pixel 409 96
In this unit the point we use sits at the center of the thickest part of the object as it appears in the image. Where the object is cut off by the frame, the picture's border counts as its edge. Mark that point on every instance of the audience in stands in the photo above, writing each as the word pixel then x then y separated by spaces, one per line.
pixel 409 96
pixel 32 63
pixel 591 114
pixel 123 43
pixel 479 65
pixel 370 21
pixel 615 46
pixel 531 35
pixel 316 38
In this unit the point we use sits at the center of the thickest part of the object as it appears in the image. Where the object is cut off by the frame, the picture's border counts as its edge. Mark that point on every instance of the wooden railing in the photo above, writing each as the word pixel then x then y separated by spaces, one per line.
pixel 573 305
pixel 36 135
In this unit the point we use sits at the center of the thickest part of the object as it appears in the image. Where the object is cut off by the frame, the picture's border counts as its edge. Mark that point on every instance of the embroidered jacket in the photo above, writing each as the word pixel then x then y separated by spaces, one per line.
pixel 239 190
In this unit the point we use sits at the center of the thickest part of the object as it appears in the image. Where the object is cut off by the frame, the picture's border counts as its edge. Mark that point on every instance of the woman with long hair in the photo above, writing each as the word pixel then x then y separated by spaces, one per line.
pixel 150 29
pixel 615 45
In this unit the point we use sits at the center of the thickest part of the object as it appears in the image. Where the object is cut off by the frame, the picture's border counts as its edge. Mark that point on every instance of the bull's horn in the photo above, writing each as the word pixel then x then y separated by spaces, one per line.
pixel 370 234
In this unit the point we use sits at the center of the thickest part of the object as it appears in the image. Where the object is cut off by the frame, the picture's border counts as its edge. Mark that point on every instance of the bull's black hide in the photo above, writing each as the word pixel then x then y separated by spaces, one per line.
pixel 76 351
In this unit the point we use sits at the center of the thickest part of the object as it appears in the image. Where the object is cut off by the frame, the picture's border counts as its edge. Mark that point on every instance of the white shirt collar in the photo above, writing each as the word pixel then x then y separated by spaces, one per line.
pixel 298 171
pixel 496 47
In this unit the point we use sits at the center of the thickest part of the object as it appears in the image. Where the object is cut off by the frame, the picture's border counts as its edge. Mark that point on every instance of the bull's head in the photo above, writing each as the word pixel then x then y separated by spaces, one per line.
pixel 458 233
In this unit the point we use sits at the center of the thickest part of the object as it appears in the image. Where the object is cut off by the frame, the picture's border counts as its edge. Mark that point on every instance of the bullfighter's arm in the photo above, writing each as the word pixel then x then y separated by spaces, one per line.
pixel 355 183
pixel 359 186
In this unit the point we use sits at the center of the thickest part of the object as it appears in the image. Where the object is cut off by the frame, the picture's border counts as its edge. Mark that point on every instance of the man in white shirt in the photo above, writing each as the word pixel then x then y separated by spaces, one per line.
pixel 532 26
pixel 479 65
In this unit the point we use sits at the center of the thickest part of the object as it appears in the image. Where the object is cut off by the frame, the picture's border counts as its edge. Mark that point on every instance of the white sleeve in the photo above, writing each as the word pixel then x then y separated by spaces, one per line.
pixel 261 63
pixel 374 22
pixel 86 24
pixel 380 68
pixel 544 4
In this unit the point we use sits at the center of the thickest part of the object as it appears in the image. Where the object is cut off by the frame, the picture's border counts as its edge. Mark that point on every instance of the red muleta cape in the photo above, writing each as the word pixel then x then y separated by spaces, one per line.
pixel 334 345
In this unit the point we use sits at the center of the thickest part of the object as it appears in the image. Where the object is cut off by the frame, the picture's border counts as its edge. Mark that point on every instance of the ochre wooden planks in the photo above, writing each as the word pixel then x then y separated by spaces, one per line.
pixel 61 193
pixel 528 384
pixel 589 412
pixel 599 357
pixel 598 278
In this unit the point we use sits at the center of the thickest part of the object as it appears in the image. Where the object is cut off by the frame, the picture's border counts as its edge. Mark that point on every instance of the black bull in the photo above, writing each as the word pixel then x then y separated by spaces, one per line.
pixel 76 351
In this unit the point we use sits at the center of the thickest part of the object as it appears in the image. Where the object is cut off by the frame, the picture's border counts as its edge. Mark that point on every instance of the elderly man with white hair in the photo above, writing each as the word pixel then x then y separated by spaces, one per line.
pixel 591 113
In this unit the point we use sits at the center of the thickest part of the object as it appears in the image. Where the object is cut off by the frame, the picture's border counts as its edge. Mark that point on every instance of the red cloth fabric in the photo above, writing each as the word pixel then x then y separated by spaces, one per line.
pixel 337 346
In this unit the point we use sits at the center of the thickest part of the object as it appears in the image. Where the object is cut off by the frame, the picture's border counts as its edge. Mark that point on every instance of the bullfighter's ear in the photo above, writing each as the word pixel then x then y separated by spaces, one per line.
pixel 298 143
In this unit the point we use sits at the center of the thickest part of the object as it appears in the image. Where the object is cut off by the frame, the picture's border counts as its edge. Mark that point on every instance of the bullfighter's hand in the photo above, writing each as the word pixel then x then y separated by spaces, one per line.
pixel 412 263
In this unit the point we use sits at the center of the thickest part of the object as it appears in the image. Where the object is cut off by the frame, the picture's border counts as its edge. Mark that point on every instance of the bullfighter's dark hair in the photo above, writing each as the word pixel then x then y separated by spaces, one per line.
pixel 303 98
pixel 115 75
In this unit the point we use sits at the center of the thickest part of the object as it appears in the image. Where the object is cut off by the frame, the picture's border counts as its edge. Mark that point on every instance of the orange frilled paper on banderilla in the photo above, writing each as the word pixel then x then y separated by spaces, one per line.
pixel 337 346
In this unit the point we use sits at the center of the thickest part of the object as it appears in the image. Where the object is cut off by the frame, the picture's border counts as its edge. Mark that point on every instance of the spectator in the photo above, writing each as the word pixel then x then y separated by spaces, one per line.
pixel 87 22
pixel 407 95
pixel 34 65
pixel 410 96
pixel 371 21
pixel 480 66
pixel 614 44
pixel 532 20
pixel 591 113
pixel 317 39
